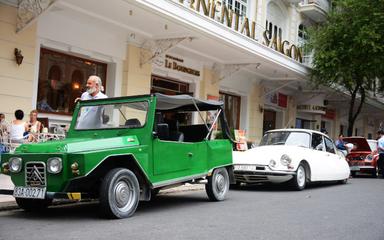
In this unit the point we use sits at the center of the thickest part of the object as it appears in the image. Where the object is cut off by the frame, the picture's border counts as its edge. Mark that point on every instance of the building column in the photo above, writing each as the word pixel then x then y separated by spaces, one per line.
pixel 136 78
pixel 18 82
pixel 209 84
pixel 291 113
pixel 255 114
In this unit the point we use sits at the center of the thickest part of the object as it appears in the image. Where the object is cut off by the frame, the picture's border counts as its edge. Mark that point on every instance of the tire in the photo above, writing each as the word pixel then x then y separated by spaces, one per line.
pixel 33 204
pixel 218 185
pixel 119 194
pixel 299 181
pixel 344 181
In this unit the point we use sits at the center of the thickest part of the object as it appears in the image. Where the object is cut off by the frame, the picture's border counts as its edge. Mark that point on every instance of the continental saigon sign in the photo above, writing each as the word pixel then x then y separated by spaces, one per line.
pixel 219 12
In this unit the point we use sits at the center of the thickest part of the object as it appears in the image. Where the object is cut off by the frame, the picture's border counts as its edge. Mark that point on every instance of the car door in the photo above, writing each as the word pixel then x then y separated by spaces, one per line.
pixel 337 165
pixel 317 158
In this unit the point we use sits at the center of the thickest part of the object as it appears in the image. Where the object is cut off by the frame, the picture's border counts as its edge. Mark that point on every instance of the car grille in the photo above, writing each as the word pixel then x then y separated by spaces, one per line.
pixel 250 178
pixel 35 175
pixel 358 158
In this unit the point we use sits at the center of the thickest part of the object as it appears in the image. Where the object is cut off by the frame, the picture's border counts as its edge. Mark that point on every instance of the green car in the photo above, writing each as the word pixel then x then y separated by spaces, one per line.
pixel 123 150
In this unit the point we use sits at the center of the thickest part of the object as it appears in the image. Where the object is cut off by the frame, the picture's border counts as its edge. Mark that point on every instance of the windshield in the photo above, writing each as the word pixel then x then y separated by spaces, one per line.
pixel 373 145
pixel 287 138
pixel 110 116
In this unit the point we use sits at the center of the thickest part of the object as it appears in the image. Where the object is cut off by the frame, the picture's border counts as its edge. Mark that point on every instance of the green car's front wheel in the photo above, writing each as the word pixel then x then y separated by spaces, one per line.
pixel 119 194
pixel 218 184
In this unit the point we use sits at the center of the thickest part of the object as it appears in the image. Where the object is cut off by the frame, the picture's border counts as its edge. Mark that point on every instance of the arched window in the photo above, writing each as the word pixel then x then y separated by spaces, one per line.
pixel 276 21
pixel 238 6
pixel 302 39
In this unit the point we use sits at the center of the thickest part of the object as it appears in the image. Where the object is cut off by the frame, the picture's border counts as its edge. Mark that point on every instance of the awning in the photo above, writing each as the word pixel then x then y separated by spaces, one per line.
pixel 185 103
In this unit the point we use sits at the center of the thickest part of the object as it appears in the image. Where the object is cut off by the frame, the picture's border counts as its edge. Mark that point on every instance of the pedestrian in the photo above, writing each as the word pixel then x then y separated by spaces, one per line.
pixel 380 146
pixel 341 145
pixel 4 125
pixel 33 125
pixel 17 128
pixel 92 117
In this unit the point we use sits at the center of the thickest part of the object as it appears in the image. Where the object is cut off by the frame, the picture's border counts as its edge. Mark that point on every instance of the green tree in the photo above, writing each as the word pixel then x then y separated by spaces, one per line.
pixel 349 50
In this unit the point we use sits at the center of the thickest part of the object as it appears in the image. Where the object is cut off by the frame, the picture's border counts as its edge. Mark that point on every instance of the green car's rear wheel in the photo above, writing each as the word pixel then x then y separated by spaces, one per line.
pixel 218 184
pixel 119 193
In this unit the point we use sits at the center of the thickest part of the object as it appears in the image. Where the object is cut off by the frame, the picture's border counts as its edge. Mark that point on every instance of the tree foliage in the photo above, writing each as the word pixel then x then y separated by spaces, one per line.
pixel 349 50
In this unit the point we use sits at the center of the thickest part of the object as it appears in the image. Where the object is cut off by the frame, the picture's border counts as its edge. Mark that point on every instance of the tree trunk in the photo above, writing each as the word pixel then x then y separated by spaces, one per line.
pixel 352 116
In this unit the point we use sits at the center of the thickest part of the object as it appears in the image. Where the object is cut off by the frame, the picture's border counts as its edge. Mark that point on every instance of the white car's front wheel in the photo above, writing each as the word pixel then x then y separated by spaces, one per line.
pixel 299 181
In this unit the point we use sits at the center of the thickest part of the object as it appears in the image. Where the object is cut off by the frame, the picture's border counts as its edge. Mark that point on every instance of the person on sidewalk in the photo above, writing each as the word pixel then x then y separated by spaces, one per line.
pixel 17 128
pixel 33 126
pixel 380 146
pixel 92 117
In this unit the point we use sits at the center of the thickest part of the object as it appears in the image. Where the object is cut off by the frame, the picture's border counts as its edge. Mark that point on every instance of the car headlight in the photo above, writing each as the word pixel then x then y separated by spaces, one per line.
pixel 285 160
pixel 369 157
pixel 15 164
pixel 272 163
pixel 54 165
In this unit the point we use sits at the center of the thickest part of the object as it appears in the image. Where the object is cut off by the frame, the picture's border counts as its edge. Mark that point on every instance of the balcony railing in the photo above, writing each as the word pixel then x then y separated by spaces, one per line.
pixel 323 4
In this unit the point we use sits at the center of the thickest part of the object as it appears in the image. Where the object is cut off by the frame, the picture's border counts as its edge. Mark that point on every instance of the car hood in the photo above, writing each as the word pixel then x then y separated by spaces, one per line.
pixel 264 154
pixel 360 143
pixel 73 145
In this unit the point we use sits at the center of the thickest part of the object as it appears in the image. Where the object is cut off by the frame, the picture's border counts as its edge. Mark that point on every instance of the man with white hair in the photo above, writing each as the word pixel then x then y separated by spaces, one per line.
pixel 91 117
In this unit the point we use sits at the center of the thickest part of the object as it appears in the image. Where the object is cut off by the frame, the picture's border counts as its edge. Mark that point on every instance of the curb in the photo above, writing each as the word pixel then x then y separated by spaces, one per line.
pixel 12 205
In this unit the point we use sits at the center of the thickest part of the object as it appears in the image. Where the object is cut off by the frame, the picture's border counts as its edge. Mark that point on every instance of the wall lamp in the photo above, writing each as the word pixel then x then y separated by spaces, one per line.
pixel 19 57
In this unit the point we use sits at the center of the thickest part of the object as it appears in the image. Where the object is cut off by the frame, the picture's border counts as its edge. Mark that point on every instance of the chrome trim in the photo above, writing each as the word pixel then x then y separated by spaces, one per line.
pixel 178 180
pixel 45 174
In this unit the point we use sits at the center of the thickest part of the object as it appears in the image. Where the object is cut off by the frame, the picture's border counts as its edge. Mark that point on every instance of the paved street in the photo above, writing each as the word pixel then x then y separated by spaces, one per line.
pixel 323 212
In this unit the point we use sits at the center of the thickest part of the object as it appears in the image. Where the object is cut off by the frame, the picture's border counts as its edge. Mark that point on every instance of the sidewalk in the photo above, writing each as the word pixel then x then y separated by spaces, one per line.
pixel 8 202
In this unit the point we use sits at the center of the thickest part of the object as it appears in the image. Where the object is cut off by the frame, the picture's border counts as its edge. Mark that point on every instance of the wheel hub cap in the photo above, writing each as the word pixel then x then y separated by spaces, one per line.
pixel 122 194
pixel 220 183
pixel 301 176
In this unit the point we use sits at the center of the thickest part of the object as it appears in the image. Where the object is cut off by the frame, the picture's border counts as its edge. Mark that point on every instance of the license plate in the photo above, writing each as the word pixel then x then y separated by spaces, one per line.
pixel 354 168
pixel 29 192
pixel 245 167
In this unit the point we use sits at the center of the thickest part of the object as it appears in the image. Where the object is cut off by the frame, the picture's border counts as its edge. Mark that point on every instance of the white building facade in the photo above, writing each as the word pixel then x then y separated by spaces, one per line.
pixel 245 52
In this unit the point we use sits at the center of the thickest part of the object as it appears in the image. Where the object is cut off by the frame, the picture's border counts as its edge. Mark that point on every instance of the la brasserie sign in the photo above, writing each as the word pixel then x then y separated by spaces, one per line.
pixel 220 12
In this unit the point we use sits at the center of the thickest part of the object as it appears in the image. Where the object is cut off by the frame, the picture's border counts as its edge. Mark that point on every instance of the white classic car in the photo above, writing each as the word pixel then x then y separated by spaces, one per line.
pixel 297 156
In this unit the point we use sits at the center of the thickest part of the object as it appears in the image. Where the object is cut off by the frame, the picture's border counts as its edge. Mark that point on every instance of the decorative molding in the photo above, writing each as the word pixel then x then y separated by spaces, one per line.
pixel 158 48
pixel 28 10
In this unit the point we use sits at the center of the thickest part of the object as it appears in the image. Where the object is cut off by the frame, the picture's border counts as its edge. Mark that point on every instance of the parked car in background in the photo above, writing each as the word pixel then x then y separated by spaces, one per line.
pixel 362 158
pixel 297 156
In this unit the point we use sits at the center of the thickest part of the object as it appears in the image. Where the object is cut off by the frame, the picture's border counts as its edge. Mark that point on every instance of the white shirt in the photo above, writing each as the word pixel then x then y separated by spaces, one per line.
pixel 380 144
pixel 91 117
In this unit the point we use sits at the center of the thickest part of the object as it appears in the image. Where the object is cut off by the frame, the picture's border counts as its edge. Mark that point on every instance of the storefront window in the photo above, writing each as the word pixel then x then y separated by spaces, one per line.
pixel 169 87
pixel 232 105
pixel 62 79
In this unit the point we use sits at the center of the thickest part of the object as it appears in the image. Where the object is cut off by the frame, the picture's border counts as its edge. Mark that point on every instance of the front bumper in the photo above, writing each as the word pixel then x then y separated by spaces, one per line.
pixel 262 176
pixel 55 195
pixel 362 168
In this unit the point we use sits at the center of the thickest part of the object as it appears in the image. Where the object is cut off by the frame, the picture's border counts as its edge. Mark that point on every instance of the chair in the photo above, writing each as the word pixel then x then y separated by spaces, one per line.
pixel 132 123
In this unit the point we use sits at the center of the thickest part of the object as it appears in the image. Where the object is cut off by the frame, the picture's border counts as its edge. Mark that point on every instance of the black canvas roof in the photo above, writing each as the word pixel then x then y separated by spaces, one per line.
pixel 185 102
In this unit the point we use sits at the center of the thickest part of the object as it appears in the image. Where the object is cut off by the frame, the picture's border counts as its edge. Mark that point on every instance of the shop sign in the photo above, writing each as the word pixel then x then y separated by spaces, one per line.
pixel 276 99
pixel 312 109
pixel 330 114
pixel 290 50
pixel 216 10
pixel 177 64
